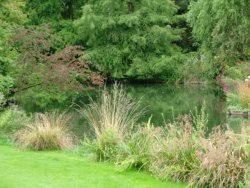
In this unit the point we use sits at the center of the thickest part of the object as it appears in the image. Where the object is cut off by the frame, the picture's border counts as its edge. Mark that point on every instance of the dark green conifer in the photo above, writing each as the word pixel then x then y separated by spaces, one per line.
pixel 131 38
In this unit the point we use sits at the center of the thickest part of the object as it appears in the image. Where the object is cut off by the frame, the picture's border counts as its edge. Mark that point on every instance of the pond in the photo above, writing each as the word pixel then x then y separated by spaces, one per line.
pixel 162 102
pixel 165 102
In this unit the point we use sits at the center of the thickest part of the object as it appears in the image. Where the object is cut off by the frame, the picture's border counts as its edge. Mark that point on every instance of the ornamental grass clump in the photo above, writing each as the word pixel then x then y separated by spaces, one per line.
pixel 135 151
pixel 186 154
pixel 180 151
pixel 111 119
pixel 222 161
pixel 47 132
pixel 174 154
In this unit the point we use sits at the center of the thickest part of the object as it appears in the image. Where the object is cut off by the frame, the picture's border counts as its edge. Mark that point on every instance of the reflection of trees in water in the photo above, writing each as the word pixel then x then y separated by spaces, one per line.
pixel 161 99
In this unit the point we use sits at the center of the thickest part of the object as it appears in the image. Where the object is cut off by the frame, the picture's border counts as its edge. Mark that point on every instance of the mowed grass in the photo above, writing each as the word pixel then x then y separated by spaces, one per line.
pixel 64 170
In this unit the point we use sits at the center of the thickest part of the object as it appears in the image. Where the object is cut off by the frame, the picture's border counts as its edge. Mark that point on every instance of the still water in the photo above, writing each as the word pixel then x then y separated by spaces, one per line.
pixel 166 102
pixel 162 102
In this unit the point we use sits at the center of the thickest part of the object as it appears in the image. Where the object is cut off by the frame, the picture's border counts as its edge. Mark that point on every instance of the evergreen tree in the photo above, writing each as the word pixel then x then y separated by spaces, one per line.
pixel 131 38
pixel 59 14
pixel 41 11
pixel 187 41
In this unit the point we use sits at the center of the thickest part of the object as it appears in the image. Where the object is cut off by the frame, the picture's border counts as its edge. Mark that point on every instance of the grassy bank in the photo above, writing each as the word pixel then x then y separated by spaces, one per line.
pixel 58 169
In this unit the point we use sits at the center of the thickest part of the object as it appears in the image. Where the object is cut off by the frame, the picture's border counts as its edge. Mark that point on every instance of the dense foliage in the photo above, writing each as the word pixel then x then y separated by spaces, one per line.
pixel 11 17
pixel 58 46
pixel 131 38
pixel 222 27
pixel 46 62
pixel 52 10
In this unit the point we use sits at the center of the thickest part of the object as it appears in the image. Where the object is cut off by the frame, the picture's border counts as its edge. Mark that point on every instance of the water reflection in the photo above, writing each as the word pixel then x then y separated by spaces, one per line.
pixel 169 101
pixel 160 101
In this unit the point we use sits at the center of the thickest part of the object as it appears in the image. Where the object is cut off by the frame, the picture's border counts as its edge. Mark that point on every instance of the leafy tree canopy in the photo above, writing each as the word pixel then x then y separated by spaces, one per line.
pixel 132 38
pixel 11 17
pixel 41 11
pixel 46 62
pixel 221 26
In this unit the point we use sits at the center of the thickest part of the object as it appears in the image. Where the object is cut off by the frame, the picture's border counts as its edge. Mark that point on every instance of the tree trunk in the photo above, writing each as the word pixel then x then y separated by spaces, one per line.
pixel 130 7
pixel 69 9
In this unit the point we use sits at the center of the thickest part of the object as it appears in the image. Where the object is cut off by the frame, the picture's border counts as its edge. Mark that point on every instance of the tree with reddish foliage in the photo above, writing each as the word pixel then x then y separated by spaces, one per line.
pixel 46 62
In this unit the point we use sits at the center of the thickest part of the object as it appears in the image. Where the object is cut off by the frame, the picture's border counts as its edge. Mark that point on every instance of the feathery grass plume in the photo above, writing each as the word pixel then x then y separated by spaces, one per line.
pixel 184 153
pixel 111 118
pixel 48 131
pixel 244 95
pixel 222 161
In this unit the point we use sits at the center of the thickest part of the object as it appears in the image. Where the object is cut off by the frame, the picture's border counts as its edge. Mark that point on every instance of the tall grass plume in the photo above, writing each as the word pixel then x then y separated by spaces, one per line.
pixel 111 118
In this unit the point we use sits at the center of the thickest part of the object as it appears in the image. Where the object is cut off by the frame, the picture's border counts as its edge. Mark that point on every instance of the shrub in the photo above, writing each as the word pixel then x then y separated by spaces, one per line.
pixel 2 100
pixel 111 118
pixel 174 155
pixel 46 132
pixel 244 94
pixel 184 153
pixel 195 69
pixel 135 151
pixel 11 120
pixel 234 72
pixel 221 162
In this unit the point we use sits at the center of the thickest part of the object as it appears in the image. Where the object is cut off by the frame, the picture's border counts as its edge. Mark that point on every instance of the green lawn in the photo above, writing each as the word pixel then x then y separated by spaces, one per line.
pixel 26 169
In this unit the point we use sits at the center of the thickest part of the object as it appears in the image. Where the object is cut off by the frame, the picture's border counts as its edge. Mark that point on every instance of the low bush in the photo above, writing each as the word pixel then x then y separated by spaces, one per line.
pixel 195 69
pixel 11 120
pixel 186 154
pixel 135 150
pixel 2 101
pixel 174 155
pixel 234 72
pixel 111 119
pixel 48 131
pixel 222 161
